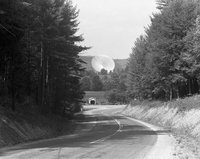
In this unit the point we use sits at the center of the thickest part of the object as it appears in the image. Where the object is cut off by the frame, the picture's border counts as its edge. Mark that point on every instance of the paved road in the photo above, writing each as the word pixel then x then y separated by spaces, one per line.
pixel 105 134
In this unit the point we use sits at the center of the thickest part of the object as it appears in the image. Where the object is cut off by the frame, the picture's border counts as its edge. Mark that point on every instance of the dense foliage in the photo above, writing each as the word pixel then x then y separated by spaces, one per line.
pixel 115 96
pixel 113 83
pixel 165 63
pixel 39 54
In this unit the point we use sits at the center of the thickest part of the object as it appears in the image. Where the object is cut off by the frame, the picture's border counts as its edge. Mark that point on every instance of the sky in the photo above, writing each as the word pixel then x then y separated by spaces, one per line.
pixel 111 27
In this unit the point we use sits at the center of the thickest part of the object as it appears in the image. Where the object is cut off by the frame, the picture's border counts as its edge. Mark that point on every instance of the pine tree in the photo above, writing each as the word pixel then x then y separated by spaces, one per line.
pixel 156 66
pixel 12 30
pixel 45 63
pixel 96 83
pixel 86 84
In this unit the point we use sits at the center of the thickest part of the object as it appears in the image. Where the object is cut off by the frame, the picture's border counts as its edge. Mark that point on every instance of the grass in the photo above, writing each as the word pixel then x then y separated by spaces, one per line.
pixel 28 124
pixel 182 104
pixel 182 116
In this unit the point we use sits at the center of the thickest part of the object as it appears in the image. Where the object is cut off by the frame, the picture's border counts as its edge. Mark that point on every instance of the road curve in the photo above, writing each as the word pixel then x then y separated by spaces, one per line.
pixel 106 134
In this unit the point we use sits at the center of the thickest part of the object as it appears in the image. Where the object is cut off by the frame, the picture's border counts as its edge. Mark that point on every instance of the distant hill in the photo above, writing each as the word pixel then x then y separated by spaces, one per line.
pixel 119 63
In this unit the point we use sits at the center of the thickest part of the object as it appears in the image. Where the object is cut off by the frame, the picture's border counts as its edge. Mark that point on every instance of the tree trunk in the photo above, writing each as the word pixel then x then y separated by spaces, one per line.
pixel 13 79
pixel 50 92
pixel 44 84
pixel 170 93
pixel 192 80
pixel 47 86
pixel 28 73
pixel 189 86
pixel 177 92
pixel 41 78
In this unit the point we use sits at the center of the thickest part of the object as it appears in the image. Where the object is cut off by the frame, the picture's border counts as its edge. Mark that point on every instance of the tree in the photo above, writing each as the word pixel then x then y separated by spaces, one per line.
pixel 103 72
pixel 114 80
pixel 68 64
pixel 167 31
pixel 12 30
pixel 138 78
pixel 40 53
pixel 122 81
pixel 96 83
pixel 89 72
pixel 106 83
pixel 156 65
pixel 86 84
pixel 190 61
pixel 115 96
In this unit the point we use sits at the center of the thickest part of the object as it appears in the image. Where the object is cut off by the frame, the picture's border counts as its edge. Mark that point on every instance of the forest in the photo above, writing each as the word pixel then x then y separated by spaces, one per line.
pixel 39 56
pixel 165 61
pixel 113 83
pixel 40 63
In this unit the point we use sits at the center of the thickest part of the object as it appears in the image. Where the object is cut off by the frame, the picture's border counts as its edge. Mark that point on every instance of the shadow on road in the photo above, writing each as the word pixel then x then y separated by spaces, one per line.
pixel 105 126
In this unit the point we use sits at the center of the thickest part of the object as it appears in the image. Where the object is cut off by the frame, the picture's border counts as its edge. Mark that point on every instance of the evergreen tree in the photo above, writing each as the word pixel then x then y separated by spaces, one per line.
pixel 137 72
pixel 86 84
pixel 40 53
pixel 96 83
pixel 158 67
pixel 12 30
pixel 103 72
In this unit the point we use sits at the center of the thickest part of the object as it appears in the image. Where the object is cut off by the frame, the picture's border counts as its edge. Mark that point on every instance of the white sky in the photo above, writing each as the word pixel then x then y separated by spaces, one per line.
pixel 111 27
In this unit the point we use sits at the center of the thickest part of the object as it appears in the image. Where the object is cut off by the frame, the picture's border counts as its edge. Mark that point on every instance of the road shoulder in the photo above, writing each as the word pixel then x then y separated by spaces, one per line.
pixel 165 145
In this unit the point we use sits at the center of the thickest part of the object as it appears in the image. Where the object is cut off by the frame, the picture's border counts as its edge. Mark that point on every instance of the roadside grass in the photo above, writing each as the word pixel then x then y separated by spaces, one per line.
pixel 180 113
pixel 182 104
pixel 28 124
pixel 182 116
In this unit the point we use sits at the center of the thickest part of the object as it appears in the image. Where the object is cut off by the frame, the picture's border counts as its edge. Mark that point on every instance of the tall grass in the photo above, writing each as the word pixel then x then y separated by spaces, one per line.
pixel 181 114
pixel 28 124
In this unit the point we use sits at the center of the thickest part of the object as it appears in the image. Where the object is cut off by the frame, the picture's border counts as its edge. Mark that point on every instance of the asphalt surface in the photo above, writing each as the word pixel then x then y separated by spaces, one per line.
pixel 104 134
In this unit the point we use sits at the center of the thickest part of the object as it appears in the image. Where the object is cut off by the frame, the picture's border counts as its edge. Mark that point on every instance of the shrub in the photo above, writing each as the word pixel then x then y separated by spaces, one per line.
pixel 115 96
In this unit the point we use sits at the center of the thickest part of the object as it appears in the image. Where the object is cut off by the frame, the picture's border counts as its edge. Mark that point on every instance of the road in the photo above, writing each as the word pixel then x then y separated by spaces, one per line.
pixel 105 134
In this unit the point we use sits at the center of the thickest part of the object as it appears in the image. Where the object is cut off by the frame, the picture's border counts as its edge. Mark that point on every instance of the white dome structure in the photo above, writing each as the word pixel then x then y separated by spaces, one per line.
pixel 100 62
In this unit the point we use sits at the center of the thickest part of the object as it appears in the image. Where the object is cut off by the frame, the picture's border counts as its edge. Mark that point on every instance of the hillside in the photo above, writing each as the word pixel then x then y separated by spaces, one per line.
pixel 119 63
pixel 31 125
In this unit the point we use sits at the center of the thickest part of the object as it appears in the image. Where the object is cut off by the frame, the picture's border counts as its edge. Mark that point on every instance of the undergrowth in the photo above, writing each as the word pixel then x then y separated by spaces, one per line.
pixel 182 116
pixel 28 124
pixel 183 104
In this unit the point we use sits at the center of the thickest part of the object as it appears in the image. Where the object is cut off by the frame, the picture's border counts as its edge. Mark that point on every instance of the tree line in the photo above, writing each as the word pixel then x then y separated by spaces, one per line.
pixel 39 54
pixel 165 61
pixel 113 83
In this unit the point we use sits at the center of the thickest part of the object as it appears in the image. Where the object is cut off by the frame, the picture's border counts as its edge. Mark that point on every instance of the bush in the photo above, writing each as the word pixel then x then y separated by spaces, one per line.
pixel 116 97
